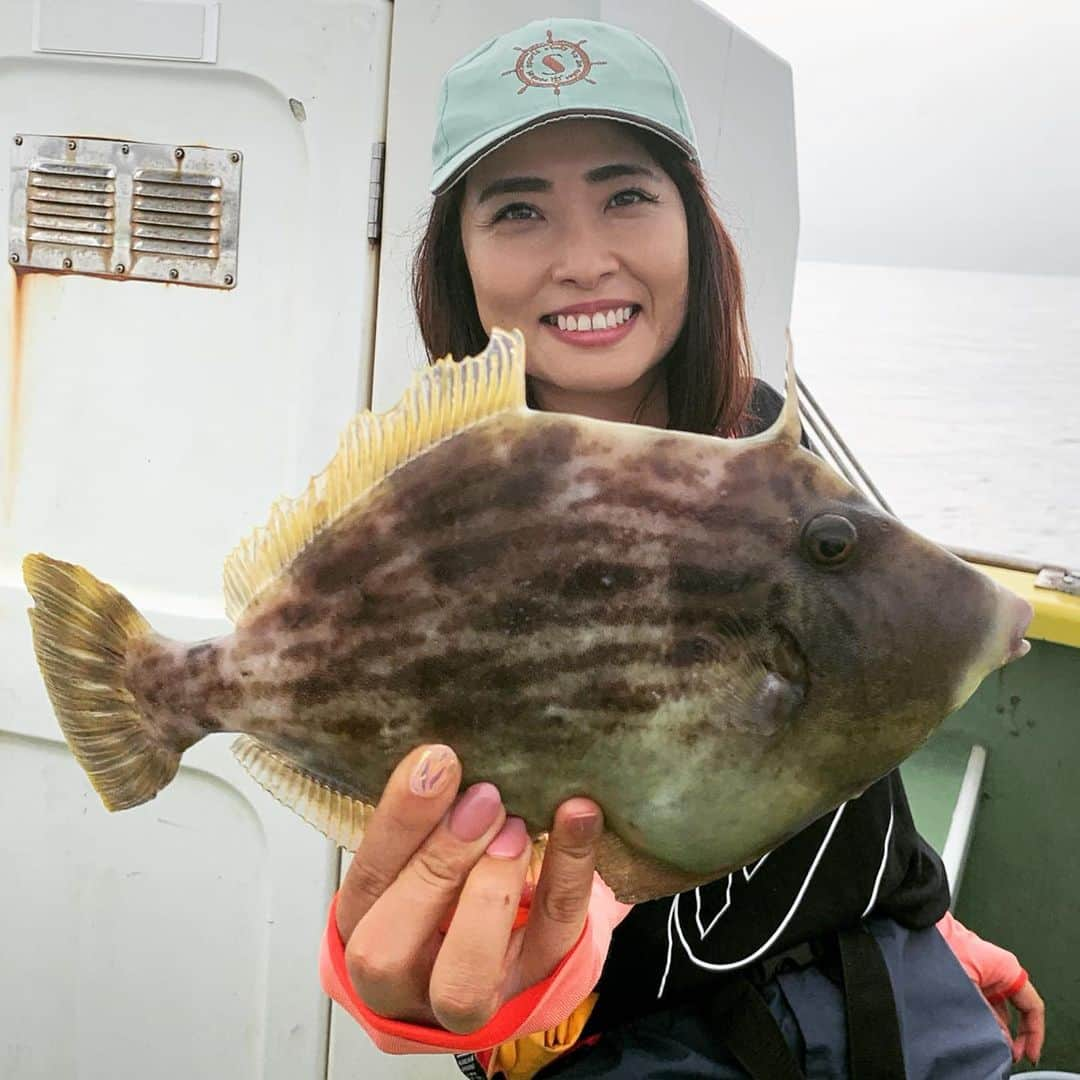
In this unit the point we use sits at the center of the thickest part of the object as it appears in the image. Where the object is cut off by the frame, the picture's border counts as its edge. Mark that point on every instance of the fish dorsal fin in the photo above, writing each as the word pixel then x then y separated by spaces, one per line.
pixel 444 399
pixel 343 818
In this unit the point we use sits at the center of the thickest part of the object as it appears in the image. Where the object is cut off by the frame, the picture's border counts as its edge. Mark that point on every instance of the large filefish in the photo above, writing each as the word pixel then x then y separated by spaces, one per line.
pixel 719 640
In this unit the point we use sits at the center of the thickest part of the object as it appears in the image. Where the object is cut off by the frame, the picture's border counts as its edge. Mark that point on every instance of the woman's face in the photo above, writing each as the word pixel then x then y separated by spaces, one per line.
pixel 567 225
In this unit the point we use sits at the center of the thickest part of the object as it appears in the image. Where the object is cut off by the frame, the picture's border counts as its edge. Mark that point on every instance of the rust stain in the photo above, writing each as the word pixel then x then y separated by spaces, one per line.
pixel 20 278
pixel 14 394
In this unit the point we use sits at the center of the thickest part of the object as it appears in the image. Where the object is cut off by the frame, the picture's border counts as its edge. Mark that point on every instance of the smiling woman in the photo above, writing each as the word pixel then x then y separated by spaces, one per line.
pixel 585 246
pixel 570 204
pixel 606 219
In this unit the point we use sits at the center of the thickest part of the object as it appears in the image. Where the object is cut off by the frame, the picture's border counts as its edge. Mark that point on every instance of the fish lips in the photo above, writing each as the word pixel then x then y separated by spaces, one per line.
pixel 1018 645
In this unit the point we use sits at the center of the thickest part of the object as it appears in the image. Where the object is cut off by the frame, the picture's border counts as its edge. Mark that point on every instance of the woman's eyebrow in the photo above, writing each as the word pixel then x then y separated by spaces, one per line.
pixel 610 172
pixel 513 185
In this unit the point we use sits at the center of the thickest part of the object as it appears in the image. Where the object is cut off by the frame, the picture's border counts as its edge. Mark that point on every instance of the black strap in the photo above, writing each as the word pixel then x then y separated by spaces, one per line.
pixel 743 1023
pixel 875 1051
pixel 751 1034
pixel 470 1066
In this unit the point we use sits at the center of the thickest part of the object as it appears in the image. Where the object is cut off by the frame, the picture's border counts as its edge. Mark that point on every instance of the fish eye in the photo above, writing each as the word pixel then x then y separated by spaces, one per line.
pixel 829 539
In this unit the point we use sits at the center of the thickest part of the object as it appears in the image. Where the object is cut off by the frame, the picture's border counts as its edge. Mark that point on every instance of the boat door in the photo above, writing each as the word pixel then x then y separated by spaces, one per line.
pixel 149 419
pixel 196 301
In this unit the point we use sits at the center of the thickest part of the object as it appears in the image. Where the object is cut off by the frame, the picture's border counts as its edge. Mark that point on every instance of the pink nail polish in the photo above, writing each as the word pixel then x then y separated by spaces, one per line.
pixel 432 771
pixel 475 812
pixel 510 840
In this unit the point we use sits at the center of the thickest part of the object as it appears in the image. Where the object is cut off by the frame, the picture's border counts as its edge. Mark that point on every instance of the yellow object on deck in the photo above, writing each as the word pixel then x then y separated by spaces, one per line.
pixel 523 1058
pixel 1057 614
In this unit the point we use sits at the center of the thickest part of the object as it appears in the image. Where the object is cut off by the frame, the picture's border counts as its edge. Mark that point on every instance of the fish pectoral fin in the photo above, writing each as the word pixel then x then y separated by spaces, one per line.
pixel 635 877
pixel 446 398
pixel 340 817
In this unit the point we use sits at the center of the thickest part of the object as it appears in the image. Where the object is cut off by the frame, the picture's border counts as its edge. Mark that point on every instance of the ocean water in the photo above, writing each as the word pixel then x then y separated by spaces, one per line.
pixel 959 392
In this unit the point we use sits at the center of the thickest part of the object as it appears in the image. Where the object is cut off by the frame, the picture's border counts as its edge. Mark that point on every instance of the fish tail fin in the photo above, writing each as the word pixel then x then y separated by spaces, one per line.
pixel 82 630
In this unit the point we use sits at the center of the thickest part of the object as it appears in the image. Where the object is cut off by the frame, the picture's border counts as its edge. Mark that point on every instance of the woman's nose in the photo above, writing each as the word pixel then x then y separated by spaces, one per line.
pixel 583 257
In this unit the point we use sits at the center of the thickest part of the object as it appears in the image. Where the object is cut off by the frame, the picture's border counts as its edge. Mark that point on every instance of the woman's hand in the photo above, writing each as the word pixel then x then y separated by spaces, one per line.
pixel 1031 1012
pixel 996 971
pixel 422 854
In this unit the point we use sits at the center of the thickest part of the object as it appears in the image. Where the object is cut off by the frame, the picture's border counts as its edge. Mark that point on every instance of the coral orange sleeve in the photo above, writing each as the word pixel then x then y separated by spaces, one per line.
pixel 537 1008
pixel 995 971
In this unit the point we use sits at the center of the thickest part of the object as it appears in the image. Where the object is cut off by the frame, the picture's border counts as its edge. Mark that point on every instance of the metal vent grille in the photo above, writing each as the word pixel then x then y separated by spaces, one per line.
pixel 71 204
pixel 176 217
pixel 153 211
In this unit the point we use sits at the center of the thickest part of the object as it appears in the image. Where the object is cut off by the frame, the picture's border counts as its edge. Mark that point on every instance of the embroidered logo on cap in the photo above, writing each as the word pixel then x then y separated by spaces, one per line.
pixel 553 63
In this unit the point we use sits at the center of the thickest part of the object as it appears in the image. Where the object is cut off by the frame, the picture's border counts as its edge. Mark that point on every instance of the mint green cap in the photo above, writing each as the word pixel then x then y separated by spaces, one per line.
pixel 553 69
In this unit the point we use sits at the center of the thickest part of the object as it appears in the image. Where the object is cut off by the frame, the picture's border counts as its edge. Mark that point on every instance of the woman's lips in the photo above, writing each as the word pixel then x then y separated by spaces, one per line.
pixel 593 338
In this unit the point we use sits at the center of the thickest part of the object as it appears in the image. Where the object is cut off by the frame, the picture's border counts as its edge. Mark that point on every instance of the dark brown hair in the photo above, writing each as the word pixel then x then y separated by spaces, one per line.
pixel 709 370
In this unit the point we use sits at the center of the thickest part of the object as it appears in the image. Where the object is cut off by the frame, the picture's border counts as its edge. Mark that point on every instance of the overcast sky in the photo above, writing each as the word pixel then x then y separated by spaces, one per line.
pixel 933 132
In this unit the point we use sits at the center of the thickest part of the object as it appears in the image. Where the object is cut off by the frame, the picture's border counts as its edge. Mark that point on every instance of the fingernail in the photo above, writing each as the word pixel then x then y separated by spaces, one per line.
pixel 475 812
pixel 584 827
pixel 510 840
pixel 432 771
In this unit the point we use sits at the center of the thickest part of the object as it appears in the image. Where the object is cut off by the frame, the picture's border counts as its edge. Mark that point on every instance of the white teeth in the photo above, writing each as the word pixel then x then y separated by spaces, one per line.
pixel 600 320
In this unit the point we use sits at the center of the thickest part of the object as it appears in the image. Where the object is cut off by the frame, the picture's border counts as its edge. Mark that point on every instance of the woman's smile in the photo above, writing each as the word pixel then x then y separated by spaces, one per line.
pixel 595 324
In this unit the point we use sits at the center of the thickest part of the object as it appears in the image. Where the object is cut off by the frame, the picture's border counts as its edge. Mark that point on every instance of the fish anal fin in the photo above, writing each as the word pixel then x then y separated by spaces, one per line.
pixel 340 817
pixel 445 398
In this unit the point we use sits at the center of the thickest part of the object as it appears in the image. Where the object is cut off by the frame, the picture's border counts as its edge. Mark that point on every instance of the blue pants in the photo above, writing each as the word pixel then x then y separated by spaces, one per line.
pixel 947 1029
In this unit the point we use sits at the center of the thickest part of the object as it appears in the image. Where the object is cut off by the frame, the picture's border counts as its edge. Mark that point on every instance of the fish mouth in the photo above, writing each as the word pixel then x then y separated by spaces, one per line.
pixel 1018 646
pixel 1008 617
pixel 1018 650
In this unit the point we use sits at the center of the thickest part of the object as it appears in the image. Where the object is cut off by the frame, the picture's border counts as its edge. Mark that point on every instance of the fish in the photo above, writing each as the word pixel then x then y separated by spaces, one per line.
pixel 717 639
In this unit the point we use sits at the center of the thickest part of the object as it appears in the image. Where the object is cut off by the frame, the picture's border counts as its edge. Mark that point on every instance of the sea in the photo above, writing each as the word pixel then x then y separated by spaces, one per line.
pixel 958 392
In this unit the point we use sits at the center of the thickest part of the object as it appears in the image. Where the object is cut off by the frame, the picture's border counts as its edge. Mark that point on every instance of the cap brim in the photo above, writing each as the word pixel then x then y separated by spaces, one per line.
pixel 454 169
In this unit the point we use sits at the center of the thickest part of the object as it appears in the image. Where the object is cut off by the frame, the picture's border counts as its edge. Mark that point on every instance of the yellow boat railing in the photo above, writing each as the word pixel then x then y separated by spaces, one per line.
pixel 1057 614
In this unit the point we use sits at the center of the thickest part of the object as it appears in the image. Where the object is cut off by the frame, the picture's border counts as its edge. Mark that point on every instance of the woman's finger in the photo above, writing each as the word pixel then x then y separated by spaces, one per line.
pixel 561 900
pixel 1032 1026
pixel 470 970
pixel 415 799
pixel 390 954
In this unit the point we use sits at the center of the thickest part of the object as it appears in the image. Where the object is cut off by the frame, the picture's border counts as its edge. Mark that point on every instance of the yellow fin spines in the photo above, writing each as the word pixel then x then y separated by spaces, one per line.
pixel 446 398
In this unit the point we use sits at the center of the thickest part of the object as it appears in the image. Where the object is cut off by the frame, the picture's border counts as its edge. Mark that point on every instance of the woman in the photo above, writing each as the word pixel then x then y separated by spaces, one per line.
pixel 595 235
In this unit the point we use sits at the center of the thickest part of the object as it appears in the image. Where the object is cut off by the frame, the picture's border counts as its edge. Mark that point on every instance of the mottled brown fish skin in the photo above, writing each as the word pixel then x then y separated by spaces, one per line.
pixel 598 609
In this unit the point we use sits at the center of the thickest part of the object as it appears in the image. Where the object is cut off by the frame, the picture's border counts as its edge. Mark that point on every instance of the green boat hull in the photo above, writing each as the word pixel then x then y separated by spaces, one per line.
pixel 1021 882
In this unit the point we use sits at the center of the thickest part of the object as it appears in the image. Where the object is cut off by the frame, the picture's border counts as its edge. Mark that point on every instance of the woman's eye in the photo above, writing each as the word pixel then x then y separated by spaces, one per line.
pixel 514 212
pixel 635 197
